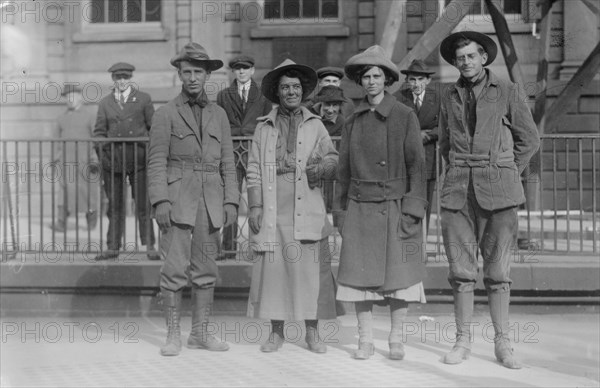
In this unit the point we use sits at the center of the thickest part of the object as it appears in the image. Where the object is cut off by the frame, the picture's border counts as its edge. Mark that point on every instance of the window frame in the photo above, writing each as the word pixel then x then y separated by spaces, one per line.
pixel 120 31
pixel 517 22
pixel 302 27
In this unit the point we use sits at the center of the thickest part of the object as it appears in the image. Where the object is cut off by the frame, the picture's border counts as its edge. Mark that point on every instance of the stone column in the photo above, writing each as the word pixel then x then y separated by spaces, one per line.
pixel 580 29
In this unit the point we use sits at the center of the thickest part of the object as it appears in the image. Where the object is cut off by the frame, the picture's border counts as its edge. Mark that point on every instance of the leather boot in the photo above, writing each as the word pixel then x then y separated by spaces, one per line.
pixel 398 311
pixel 364 316
pixel 315 344
pixel 91 218
pixel 172 309
pixel 498 301
pixel 202 299
pixel 463 315
pixel 61 223
pixel 276 338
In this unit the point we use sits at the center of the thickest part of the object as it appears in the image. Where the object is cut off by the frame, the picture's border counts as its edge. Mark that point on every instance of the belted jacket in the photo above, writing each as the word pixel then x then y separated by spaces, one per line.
pixel 191 165
pixel 504 140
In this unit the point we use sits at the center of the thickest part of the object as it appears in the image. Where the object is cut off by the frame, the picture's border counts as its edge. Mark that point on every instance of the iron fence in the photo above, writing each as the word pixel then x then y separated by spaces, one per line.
pixel 50 181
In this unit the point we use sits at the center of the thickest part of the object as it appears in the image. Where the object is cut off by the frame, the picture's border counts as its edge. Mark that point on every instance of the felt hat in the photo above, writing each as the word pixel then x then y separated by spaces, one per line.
pixel 270 81
pixel 330 93
pixel 373 56
pixel 194 52
pixel 448 48
pixel 417 66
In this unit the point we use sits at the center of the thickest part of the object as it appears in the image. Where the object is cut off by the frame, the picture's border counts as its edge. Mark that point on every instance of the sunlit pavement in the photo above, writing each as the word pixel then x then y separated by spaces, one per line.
pixel 558 346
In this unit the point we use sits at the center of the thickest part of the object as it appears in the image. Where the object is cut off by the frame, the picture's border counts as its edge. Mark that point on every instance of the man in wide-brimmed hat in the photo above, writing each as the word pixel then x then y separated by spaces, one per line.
pixel 193 191
pixel 243 103
pixel 126 112
pixel 424 98
pixel 487 137
pixel 291 153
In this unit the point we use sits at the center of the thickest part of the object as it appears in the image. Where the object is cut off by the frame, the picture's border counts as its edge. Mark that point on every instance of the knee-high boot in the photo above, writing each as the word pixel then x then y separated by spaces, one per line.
pixel 200 338
pixel 315 344
pixel 463 315
pixel 498 302
pixel 398 311
pixel 364 316
pixel 172 310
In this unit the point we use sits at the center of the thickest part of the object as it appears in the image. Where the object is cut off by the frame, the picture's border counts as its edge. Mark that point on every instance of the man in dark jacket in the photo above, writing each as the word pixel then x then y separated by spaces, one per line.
pixel 329 76
pixel 487 137
pixel 125 113
pixel 424 98
pixel 243 103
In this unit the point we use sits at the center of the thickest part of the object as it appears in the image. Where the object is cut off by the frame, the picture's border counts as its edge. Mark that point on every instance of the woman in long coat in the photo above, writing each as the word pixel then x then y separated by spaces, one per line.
pixel 291 152
pixel 382 197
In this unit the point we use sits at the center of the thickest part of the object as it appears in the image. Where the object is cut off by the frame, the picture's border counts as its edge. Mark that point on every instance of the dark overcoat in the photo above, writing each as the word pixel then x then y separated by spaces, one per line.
pixel 428 117
pixel 382 193
pixel 134 120
pixel 189 168
pixel 243 121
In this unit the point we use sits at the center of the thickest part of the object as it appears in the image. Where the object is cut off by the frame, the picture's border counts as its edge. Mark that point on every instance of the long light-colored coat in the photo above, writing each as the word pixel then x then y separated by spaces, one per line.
pixel 381 185
pixel 187 168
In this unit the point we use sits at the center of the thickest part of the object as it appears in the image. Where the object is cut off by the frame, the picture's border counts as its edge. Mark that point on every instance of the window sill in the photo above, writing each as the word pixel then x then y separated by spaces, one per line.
pixel 286 31
pixel 485 25
pixel 119 32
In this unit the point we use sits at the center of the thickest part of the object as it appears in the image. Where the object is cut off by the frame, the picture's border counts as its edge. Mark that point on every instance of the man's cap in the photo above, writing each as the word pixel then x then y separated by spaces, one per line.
pixel 70 88
pixel 448 48
pixel 270 81
pixel 331 93
pixel 373 56
pixel 194 52
pixel 330 70
pixel 419 67
pixel 121 68
pixel 241 61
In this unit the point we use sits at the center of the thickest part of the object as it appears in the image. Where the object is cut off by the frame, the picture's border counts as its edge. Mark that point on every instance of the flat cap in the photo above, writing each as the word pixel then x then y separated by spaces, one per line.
pixel 331 93
pixel 241 61
pixel 121 67
pixel 330 70
pixel 194 52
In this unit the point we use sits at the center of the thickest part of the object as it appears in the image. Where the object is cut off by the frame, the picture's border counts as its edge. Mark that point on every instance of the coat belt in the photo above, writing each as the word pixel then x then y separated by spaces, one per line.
pixel 192 165
pixel 376 191
pixel 505 158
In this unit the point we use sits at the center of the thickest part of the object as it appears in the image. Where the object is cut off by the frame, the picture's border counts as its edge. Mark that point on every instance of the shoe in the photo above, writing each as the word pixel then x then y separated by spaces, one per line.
pixel 207 342
pixel 107 255
pixel 59 226
pixel 456 355
pixel 504 354
pixel 315 344
pixel 153 255
pixel 364 352
pixel 273 344
pixel 396 351
pixel 92 219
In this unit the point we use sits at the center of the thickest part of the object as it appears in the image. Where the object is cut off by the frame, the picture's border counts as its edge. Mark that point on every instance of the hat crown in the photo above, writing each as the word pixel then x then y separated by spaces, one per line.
pixel 195 51
pixel 331 93
pixel 330 70
pixel 242 59
pixel 286 62
pixel 121 66
pixel 417 66
pixel 373 56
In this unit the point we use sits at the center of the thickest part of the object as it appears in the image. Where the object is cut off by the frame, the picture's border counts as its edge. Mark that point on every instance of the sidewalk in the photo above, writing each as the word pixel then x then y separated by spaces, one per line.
pixel 559 347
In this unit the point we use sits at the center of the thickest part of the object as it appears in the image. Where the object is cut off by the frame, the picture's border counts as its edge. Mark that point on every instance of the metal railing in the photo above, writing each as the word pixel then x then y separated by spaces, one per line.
pixel 43 178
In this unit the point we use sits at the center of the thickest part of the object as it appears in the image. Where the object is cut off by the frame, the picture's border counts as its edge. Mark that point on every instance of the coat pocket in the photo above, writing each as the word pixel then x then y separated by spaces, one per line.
pixel 407 227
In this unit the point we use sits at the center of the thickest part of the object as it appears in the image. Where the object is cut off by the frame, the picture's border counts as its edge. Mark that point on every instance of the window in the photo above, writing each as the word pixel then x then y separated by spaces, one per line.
pixel 124 11
pixel 301 9
pixel 516 13
pixel 507 7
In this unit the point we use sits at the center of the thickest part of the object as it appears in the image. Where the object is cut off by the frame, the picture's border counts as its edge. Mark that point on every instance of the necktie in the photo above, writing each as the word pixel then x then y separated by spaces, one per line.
pixel 418 104
pixel 121 101
pixel 244 97
pixel 471 107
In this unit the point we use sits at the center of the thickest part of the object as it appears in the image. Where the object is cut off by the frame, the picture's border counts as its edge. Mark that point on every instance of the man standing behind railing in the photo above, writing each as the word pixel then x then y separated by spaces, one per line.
pixel 243 103
pixel 127 112
pixel 76 194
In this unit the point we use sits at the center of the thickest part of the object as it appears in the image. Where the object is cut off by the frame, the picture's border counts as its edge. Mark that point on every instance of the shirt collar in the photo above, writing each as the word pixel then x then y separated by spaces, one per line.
pixel 201 100
pixel 244 85
pixel 125 93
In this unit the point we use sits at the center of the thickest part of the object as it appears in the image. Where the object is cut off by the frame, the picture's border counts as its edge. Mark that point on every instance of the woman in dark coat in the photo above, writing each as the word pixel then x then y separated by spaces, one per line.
pixel 382 197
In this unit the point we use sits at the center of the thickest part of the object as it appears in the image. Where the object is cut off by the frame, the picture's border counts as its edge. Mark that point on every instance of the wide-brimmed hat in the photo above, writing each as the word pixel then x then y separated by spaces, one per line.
pixel 373 56
pixel 270 81
pixel 121 68
pixel 448 50
pixel 330 70
pixel 330 93
pixel 71 88
pixel 241 61
pixel 417 66
pixel 194 52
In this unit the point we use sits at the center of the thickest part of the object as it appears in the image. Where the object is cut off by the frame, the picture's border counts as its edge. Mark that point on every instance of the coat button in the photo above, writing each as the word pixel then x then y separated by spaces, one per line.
pixel 382 163
pixel 358 196
pixel 380 184
pixel 270 187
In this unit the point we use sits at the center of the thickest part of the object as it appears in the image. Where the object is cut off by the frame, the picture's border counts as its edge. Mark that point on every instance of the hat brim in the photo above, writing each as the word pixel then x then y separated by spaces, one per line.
pixel 271 81
pixel 447 46
pixel 353 70
pixel 241 64
pixel 210 64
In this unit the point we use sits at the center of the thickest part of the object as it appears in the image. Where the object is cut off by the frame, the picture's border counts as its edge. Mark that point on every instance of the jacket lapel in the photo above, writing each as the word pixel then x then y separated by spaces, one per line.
pixel 185 111
pixel 209 130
